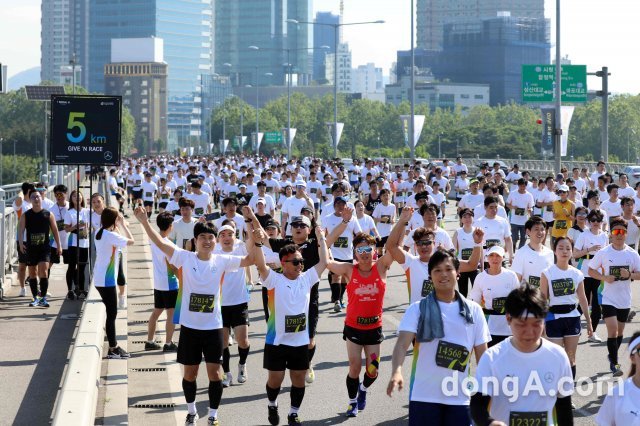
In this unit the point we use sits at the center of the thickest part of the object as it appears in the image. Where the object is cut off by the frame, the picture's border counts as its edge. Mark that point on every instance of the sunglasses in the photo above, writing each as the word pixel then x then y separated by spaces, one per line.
pixel 295 262
pixel 618 232
pixel 299 225
pixel 424 243
pixel 364 249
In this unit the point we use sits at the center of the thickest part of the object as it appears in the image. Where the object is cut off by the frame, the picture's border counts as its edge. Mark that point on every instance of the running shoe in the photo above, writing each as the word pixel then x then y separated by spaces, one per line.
pixel 242 373
pixel 595 339
pixel 274 417
pixel 615 370
pixel 170 347
pixel 151 346
pixel 362 399
pixel 118 353
pixel 311 375
pixel 228 380
pixel 43 303
pixel 212 421
pixel 343 305
pixel 191 419
pixel 352 411
pixel 293 419
pixel 71 295
pixel 23 292
pixel 35 302
pixel 631 316
pixel 122 303
pixel 337 307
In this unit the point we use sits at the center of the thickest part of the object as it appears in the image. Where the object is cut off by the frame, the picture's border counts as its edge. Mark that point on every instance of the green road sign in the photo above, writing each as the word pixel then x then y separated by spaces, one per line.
pixel 273 137
pixel 538 83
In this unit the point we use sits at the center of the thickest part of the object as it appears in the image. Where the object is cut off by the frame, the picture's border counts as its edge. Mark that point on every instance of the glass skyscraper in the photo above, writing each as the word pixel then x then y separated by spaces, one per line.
pixel 324 35
pixel 263 23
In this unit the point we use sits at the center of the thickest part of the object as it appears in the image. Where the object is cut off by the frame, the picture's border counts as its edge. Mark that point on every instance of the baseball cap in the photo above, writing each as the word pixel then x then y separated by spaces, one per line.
pixel 301 183
pixel 496 249
pixel 271 224
pixel 563 188
pixel 306 209
pixel 226 228
pixel 261 200
pixel 301 219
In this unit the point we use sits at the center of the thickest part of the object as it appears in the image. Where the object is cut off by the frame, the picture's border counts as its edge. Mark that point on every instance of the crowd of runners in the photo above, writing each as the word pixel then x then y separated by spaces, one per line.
pixel 529 258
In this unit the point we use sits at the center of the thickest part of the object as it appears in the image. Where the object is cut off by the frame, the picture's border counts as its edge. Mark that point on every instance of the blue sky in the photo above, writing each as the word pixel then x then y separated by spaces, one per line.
pixel 595 33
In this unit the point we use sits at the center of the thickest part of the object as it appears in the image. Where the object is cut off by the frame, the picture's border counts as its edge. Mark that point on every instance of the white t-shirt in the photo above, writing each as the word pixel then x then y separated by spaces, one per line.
pixel 496 230
pixel 182 232
pixel 609 261
pixel 491 291
pixel 342 248
pixel 164 278
pixel 271 204
pixel 586 240
pixel 427 377
pixel 105 270
pixel 293 207
pixel 148 190
pixel 234 290
pixel 70 218
pixel 419 282
pixel 547 197
pixel 201 202
pixel 386 216
pixel 613 209
pixel 471 201
pixel 563 287
pixel 529 263
pixel 238 219
pixel 621 407
pixel 633 234
pixel 521 203
pixel 480 211
pixel 199 304
pixel 288 322
pixel 442 238
pixel 548 368
pixel 367 225
pixel 59 213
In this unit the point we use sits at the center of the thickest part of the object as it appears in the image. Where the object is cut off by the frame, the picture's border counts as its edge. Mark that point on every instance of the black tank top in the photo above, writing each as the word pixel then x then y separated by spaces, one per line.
pixel 37 226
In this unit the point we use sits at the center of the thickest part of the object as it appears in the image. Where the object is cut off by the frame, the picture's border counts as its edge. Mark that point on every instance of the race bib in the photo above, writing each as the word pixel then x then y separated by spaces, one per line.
pixel 563 287
pixel 367 320
pixel 452 356
pixel 60 225
pixel 313 190
pixel 427 287
pixel 203 303
pixel 385 219
pixel 519 211
pixel 491 243
pixel 534 281
pixel 615 271
pixel 148 194
pixel 269 188
pixel 560 224
pixel 295 323
pixel 550 208
pixel 138 182
pixel 38 239
pixel 523 418
pixel 341 242
pixel 465 253
pixel 497 304
pixel 327 191
pixel 164 196
pixel 199 210
pixel 232 194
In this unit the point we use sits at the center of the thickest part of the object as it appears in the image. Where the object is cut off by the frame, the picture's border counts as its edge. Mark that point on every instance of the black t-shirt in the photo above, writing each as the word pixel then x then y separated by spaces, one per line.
pixel 37 226
pixel 264 219
pixel 309 250
pixel 191 178
pixel 372 203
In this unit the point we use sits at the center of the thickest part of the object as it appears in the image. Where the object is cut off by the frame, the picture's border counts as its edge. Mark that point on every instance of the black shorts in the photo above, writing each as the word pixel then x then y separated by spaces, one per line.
pixel 118 196
pixel 282 357
pixel 381 242
pixel 374 336
pixel 22 257
pixel 148 203
pixel 194 343
pixel 37 254
pixel 314 300
pixel 611 311
pixel 563 327
pixel 163 204
pixel 120 185
pixel 129 190
pixel 550 225
pixel 54 255
pixel 235 315
pixel 137 195
pixel 70 255
pixel 165 299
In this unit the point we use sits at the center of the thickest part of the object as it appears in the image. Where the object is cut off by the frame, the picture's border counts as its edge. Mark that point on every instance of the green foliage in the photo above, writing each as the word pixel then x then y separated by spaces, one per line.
pixel 20 168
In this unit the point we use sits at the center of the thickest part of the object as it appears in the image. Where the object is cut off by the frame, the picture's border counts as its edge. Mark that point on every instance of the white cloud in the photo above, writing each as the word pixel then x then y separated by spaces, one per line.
pixel 20 34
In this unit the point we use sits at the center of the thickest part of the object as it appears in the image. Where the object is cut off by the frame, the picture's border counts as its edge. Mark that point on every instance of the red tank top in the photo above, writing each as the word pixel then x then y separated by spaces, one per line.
pixel 366 295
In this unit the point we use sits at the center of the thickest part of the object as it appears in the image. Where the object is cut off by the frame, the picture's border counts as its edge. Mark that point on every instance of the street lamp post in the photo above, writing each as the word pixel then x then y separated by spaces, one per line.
pixel 336 28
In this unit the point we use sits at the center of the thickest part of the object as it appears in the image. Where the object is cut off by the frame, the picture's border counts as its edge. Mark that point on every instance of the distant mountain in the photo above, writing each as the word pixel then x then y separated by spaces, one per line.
pixel 23 78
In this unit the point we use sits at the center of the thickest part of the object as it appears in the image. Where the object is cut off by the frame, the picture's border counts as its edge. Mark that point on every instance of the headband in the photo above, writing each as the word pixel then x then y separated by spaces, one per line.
pixel 634 344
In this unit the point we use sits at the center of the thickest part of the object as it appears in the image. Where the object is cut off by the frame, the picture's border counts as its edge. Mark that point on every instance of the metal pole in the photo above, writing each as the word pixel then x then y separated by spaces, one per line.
pixel 605 113
pixel 257 113
pixel 558 132
pixel 439 146
pixel 412 141
pixel 1 161
pixel 15 175
pixel 224 130
pixel 45 165
pixel 335 94
pixel 241 126
pixel 288 104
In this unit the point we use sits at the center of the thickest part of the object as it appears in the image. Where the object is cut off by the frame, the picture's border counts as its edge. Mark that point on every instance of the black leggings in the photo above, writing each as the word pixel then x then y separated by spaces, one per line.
pixel 591 290
pixel 122 280
pixel 463 281
pixel 110 300
pixel 74 266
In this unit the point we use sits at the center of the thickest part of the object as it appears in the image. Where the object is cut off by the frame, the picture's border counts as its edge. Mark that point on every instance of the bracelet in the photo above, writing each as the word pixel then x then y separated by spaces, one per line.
pixel 258 244
pixel 345 221
pixel 248 221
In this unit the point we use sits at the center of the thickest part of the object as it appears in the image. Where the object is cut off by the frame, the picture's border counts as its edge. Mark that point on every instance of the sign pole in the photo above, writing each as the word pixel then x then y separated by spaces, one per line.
pixel 558 131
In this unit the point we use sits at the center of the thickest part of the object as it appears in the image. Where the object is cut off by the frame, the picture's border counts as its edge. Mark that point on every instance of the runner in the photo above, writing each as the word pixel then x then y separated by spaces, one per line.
pixel 533 258
pixel 165 289
pixel 20 205
pixel 77 254
pixel 108 245
pixel 523 359
pixel 384 216
pixel 617 265
pixel 367 282
pixel 463 243
pixel 200 320
pixel 59 210
pixel 33 241
pixel 287 340
pixel 521 204
pixel 563 213
pixel 446 328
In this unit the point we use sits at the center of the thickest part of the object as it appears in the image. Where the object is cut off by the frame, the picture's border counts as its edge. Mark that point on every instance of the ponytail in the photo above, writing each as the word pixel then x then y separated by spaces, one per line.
pixel 99 233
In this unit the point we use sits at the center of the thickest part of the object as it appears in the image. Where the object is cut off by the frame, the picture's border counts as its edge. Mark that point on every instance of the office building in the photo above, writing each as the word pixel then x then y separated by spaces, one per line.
pixel 439 95
pixel 432 15
pixel 260 23
pixel 424 61
pixel 324 35
pixel 215 90
pixel 492 51
pixel 60 22
pixel 344 78
pixel 367 80
pixel 138 74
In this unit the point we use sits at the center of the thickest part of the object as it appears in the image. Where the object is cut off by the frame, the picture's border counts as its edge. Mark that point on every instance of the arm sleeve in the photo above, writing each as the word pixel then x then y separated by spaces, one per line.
pixel 564 412
pixel 480 409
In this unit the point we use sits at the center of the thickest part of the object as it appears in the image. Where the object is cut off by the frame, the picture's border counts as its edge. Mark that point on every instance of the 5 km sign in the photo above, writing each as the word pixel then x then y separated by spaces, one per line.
pixel 85 130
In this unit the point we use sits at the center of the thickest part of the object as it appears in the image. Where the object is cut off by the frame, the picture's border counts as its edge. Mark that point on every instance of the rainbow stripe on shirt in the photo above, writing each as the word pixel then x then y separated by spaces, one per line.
pixel 414 365
pixel 171 276
pixel 178 308
pixel 110 273
pixel 271 322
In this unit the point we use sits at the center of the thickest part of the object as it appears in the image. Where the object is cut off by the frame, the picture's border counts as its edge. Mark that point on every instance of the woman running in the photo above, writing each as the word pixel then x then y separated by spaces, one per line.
pixel 77 254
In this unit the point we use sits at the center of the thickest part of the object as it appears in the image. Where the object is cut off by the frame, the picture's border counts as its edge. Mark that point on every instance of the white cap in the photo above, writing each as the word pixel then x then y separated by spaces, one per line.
pixel 496 249
pixel 564 188
pixel 301 183
pixel 226 228
pixel 261 200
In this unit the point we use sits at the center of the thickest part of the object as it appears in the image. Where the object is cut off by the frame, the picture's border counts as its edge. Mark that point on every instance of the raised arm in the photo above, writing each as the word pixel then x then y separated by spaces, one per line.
pixel 338 230
pixel 261 265
pixel 323 251
pixel 394 242
pixel 476 254
pixel 154 236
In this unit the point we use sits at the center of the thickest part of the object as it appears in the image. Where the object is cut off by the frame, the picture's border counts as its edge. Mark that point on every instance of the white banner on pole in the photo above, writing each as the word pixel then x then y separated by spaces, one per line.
pixel 255 144
pixel 330 129
pixel 223 145
pixel 289 140
pixel 566 113
pixel 418 124
pixel 244 141
pixel 191 149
